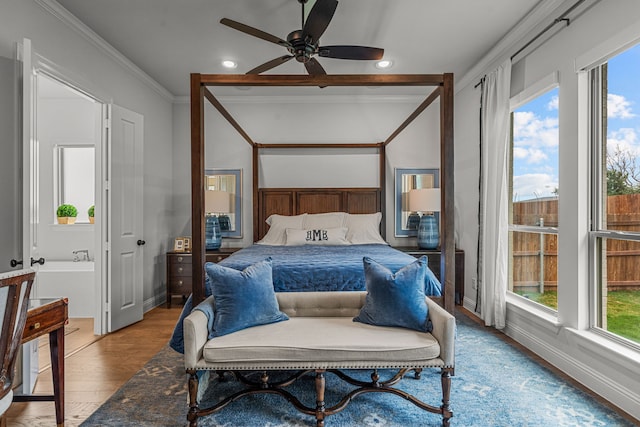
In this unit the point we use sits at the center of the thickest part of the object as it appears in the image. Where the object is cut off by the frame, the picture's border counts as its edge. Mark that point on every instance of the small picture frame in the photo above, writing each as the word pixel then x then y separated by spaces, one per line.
pixel 187 244
pixel 178 244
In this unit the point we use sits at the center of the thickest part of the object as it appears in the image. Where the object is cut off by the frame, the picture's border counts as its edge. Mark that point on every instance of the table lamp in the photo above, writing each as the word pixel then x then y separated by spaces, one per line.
pixel 426 201
pixel 215 202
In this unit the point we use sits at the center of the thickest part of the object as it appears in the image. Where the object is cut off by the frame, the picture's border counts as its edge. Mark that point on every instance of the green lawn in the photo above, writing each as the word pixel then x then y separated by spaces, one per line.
pixel 623 311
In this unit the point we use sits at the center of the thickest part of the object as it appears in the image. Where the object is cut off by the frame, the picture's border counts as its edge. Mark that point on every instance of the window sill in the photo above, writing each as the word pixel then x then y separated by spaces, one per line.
pixel 609 350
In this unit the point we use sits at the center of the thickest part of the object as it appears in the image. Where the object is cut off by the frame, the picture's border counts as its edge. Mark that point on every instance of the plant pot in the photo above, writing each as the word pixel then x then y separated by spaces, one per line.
pixel 66 219
pixel 91 220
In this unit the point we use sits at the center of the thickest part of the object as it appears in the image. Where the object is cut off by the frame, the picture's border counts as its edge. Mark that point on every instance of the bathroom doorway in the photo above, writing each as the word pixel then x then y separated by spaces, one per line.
pixel 68 133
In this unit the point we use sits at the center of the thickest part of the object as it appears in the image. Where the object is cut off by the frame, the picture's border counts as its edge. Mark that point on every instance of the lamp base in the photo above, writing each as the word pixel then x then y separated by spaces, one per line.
pixel 213 236
pixel 428 235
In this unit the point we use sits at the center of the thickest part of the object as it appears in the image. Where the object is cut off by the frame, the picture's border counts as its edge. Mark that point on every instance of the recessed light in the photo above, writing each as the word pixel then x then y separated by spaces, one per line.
pixel 385 63
pixel 229 63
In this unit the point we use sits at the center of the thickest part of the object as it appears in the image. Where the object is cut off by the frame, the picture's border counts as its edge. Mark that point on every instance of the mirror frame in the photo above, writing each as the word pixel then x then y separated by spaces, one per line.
pixel 237 233
pixel 399 173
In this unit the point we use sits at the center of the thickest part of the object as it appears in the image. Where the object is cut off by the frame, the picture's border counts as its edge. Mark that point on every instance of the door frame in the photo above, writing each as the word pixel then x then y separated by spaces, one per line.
pixel 41 66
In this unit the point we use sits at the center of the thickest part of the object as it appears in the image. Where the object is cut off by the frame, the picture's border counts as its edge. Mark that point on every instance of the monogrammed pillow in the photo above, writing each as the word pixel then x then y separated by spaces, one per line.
pixel 317 236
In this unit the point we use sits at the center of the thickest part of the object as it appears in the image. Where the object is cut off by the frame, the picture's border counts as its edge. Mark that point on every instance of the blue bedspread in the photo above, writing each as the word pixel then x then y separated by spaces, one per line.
pixel 312 268
pixel 324 268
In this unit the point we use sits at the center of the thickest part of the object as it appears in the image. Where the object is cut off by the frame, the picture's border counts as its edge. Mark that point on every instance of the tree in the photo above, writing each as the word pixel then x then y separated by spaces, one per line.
pixel 623 172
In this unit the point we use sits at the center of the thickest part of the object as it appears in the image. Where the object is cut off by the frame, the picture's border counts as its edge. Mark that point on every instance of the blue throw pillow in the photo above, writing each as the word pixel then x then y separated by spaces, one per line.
pixel 395 299
pixel 243 298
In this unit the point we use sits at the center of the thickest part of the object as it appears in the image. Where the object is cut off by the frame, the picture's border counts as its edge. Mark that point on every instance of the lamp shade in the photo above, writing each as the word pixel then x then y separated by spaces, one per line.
pixel 424 200
pixel 217 201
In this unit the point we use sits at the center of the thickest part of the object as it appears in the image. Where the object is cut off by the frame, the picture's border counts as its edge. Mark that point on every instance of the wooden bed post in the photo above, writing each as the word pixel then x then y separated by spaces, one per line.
pixel 448 244
pixel 197 188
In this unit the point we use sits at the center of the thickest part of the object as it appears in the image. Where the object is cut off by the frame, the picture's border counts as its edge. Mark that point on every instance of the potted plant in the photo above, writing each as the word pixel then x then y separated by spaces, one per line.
pixel 66 214
pixel 91 213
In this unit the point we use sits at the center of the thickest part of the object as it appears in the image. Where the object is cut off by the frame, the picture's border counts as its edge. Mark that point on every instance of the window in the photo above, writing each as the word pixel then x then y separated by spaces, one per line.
pixel 75 165
pixel 615 235
pixel 533 210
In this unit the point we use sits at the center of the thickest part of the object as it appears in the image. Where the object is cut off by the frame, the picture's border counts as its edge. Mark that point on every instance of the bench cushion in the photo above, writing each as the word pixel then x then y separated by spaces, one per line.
pixel 321 339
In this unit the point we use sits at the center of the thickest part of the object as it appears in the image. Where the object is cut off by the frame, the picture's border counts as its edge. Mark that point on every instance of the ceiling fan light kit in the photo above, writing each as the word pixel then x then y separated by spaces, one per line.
pixel 304 44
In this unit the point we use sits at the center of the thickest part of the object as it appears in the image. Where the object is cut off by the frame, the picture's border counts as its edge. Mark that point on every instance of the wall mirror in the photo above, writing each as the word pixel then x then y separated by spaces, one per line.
pixel 407 180
pixel 227 181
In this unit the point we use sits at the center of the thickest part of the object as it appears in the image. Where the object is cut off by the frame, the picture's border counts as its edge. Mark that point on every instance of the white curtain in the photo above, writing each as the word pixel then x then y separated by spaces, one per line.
pixel 493 256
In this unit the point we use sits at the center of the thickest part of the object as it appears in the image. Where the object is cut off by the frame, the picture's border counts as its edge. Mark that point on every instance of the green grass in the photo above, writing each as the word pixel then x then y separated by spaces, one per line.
pixel 623 311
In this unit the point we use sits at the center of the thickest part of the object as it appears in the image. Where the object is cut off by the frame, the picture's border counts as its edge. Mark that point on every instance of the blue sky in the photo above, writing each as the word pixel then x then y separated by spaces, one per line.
pixel 535 152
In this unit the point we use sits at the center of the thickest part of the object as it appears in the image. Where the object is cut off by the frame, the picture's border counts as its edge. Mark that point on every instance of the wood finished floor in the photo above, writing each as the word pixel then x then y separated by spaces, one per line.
pixel 95 369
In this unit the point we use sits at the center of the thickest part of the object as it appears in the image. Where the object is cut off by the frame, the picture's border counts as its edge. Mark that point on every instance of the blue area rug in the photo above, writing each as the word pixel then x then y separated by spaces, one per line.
pixel 495 385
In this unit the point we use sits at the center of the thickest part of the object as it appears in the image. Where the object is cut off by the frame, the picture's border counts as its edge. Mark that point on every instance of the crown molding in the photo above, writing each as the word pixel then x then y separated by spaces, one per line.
pixel 56 9
pixel 511 41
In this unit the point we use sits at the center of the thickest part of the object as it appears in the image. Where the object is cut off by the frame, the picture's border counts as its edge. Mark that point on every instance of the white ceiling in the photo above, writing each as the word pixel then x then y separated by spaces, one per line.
pixel 170 39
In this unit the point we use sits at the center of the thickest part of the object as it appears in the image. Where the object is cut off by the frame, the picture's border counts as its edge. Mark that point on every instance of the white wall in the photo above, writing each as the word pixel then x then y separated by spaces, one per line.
pixel 85 63
pixel 323 119
pixel 563 341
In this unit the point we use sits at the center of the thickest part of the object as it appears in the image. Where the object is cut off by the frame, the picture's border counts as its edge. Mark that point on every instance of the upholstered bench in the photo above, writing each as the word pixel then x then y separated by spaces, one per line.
pixel 321 336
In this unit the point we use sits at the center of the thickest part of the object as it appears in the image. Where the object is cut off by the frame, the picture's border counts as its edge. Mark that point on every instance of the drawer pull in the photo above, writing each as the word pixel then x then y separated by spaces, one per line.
pixel 180 269
pixel 35 325
pixel 220 258
pixel 179 282
pixel 179 259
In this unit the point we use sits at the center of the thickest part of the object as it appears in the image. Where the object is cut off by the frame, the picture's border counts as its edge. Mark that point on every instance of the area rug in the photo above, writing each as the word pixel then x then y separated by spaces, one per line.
pixel 495 385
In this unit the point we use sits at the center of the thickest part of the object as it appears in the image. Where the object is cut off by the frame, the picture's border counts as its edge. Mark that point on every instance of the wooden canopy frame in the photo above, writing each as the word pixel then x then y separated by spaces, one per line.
pixel 443 84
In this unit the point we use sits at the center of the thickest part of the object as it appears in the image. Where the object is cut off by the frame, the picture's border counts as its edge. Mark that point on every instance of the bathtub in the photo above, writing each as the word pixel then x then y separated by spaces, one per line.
pixel 73 280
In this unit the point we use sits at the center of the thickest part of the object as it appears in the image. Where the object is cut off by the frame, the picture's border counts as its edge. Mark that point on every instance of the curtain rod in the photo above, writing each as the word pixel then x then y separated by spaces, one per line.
pixel 561 18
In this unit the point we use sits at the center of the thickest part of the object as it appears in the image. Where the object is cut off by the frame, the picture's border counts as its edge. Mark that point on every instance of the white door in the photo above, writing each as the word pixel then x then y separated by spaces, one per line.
pixel 30 255
pixel 10 168
pixel 124 224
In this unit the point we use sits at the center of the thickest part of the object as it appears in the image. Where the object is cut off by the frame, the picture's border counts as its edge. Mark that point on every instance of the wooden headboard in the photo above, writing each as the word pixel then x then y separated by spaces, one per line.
pixel 294 201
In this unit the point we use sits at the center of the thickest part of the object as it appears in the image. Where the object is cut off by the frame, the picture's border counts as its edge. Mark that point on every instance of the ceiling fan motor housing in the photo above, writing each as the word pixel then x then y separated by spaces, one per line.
pixel 301 48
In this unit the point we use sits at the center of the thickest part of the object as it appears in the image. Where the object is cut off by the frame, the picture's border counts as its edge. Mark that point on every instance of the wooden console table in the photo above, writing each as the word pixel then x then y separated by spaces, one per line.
pixel 48 316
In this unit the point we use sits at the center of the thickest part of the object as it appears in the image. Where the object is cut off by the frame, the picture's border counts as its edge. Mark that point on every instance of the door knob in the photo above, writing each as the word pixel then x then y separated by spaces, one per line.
pixel 15 263
pixel 141 242
pixel 37 261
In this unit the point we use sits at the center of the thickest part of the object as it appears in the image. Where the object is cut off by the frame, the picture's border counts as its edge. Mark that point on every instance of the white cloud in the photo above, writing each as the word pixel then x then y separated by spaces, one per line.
pixel 624 139
pixel 531 155
pixel 618 107
pixel 533 186
pixel 554 103
pixel 531 131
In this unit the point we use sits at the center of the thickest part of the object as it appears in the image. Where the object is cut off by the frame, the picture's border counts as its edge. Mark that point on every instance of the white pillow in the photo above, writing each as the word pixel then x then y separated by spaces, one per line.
pixel 364 228
pixel 278 224
pixel 324 220
pixel 317 236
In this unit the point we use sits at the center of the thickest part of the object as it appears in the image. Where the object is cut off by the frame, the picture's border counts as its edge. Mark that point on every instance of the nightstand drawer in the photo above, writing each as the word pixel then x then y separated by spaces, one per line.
pixel 180 269
pixel 180 259
pixel 180 285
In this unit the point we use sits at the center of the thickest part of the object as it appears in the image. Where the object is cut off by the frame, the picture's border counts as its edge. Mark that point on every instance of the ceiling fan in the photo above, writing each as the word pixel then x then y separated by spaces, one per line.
pixel 304 44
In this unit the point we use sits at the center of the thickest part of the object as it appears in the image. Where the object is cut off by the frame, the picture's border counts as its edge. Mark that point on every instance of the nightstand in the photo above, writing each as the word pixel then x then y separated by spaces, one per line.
pixel 433 255
pixel 179 270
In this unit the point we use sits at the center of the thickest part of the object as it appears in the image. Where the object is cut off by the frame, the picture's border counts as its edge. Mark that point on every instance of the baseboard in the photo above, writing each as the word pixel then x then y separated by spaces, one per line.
pixel 154 301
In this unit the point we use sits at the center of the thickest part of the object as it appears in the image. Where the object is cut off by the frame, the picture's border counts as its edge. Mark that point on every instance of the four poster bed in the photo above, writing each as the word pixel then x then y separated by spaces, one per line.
pixel 295 201
pixel 320 333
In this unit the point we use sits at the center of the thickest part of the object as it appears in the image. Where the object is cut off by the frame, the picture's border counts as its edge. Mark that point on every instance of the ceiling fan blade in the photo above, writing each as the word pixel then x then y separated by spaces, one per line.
pixel 351 52
pixel 314 68
pixel 254 32
pixel 270 64
pixel 319 19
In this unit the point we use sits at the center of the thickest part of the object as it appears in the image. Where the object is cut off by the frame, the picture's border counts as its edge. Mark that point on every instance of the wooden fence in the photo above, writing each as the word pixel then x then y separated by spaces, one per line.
pixel 530 263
